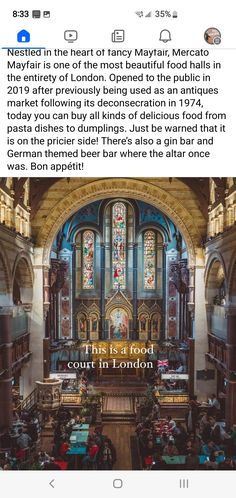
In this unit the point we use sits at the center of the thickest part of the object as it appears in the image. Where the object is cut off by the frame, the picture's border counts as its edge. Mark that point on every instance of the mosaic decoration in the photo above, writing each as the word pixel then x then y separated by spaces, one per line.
pixel 149 260
pixel 88 260
pixel 119 245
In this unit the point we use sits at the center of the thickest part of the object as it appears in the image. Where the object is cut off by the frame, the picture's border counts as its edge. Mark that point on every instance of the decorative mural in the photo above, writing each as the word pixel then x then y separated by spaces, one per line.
pixel 88 260
pixel 82 327
pixel 119 324
pixel 155 326
pixel 119 245
pixel 149 256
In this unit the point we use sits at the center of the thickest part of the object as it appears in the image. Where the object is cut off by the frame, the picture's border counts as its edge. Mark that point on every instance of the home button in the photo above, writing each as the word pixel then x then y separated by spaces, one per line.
pixel 117 483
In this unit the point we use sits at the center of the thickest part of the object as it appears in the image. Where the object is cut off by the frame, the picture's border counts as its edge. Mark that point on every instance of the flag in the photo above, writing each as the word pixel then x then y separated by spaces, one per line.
pixel 162 363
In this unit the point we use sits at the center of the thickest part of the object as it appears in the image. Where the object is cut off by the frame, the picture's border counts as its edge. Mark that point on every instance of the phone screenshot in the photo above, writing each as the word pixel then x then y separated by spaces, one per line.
pixel 117 249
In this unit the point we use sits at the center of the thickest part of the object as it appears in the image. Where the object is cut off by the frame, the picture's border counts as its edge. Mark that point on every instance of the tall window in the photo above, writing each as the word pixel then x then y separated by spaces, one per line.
pixel 149 260
pixel 119 245
pixel 88 260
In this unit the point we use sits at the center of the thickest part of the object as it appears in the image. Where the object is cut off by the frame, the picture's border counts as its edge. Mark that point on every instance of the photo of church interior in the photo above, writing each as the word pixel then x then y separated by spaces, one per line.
pixel 117 323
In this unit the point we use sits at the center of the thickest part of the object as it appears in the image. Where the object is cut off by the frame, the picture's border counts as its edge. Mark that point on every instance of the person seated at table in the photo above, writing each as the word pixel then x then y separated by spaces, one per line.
pixel 191 416
pixel 228 464
pixel 196 442
pixel 105 457
pixel 156 411
pixel 192 460
pixel 77 419
pixel 180 435
pixel 51 465
pixel 61 463
pixel 203 420
pixel 218 434
pixel 206 430
pixel 35 465
pixel 171 422
pixel 143 436
pixel 180 368
pixel 93 450
pixel 211 464
pixel 139 428
pixel 170 449
pixel 15 416
pixel 188 447
pixel 24 440
pixel 64 447
pixel 209 447
pixel 43 457
pixel 71 422
pixel 24 416
pixel 164 439
pixel 214 405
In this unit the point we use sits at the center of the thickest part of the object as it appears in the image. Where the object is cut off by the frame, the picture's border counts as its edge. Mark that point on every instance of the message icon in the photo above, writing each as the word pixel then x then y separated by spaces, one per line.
pixel 118 36
pixel 71 35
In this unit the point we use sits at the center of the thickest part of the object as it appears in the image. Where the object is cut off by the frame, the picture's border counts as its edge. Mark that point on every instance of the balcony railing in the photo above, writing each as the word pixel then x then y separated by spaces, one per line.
pixel 20 319
pixel 19 325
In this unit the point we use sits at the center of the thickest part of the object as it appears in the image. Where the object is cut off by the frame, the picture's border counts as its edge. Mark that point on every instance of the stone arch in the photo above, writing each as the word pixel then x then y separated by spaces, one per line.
pixel 23 279
pixel 215 278
pixel 120 187
pixel 5 279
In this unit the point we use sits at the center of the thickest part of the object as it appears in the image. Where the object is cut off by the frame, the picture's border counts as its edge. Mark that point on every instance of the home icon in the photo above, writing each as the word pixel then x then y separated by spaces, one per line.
pixel 23 36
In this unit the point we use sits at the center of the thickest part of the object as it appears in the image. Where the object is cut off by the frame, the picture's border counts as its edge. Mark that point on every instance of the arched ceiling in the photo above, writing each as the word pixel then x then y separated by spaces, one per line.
pixel 173 196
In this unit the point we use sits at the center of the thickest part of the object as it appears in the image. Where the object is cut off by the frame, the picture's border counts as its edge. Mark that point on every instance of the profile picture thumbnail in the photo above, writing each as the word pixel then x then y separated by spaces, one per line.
pixel 212 36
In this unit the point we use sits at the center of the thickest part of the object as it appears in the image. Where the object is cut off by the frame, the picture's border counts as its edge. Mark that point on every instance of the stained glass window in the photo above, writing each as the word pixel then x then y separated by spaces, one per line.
pixel 88 260
pixel 119 245
pixel 149 260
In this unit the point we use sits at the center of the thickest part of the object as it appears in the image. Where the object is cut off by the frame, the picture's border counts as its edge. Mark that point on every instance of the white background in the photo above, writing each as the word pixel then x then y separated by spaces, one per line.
pixel 95 22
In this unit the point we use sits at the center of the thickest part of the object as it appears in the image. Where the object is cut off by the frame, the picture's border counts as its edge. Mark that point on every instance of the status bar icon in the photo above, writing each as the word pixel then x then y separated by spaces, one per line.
pixel 36 14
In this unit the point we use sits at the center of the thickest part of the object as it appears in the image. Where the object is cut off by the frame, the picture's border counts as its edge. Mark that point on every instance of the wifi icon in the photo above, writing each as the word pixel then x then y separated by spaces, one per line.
pixel 139 13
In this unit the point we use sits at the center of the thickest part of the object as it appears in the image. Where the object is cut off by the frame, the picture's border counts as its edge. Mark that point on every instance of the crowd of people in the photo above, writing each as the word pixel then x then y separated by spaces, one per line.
pixel 21 448
pixel 199 442
pixel 100 451
pixel 20 443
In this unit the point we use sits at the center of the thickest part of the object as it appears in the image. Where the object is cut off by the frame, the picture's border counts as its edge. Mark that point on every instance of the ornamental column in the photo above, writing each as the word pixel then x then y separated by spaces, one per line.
pixel 6 372
pixel 230 406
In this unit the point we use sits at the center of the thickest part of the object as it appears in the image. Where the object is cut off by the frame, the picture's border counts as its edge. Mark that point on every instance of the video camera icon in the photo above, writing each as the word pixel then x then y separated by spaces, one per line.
pixel 70 35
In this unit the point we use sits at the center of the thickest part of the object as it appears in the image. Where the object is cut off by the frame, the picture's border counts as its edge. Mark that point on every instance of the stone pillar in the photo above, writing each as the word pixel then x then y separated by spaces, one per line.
pixel 103 264
pixel 37 326
pixel 200 333
pixel 135 269
pixel 6 377
pixel 46 357
pixel 191 366
pixel 230 406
